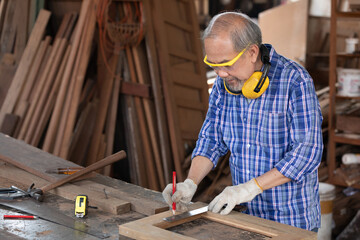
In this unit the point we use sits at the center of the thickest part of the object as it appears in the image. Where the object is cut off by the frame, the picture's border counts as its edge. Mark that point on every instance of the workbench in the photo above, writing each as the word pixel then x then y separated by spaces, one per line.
pixel 124 210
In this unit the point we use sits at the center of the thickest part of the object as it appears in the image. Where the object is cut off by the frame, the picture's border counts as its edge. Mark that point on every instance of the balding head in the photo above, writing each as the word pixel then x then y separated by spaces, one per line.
pixel 239 27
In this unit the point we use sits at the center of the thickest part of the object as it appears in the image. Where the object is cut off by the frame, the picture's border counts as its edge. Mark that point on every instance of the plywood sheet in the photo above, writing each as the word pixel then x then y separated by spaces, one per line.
pixel 285 27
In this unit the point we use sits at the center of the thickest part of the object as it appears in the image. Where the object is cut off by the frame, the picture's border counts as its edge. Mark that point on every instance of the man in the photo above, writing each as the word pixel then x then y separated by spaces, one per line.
pixel 273 133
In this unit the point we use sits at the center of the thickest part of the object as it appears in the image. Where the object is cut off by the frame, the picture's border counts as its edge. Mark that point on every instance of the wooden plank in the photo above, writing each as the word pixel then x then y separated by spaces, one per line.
pixel 148 157
pixel 30 158
pixel 139 204
pixel 68 191
pixel 107 82
pixel 143 200
pixel 78 77
pixel 33 74
pixel 21 20
pixel 9 29
pixel 154 227
pixel 25 64
pixel 50 101
pixel 135 89
pixel 52 133
pixel 138 173
pixel 111 119
pixel 82 134
pixel 43 82
pixel 158 94
pixel 7 73
pixel 3 7
pixel 149 118
pixel 44 96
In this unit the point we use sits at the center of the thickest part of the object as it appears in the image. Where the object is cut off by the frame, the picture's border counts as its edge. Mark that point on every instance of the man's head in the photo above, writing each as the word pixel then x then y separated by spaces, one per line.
pixel 232 42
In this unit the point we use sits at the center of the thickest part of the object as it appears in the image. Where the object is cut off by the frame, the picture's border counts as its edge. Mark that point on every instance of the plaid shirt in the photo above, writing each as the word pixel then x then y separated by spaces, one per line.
pixel 281 129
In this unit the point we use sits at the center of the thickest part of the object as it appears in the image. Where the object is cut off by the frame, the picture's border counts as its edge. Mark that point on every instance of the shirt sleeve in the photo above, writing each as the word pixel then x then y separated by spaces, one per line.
pixel 306 147
pixel 210 143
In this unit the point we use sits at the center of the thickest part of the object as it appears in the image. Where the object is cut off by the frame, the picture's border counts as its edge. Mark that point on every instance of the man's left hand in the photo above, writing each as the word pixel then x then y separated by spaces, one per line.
pixel 234 195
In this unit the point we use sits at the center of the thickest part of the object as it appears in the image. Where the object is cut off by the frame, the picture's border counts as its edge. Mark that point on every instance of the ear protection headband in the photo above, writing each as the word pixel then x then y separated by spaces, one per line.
pixel 258 82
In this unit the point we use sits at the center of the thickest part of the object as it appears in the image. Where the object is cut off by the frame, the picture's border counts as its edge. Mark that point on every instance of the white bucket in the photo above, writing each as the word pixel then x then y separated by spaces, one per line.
pixel 349 82
pixel 351 45
pixel 327 195
pixel 320 8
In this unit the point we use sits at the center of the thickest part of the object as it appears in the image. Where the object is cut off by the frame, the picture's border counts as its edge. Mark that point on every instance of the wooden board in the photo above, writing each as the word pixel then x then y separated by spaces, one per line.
pixel 154 227
pixel 290 39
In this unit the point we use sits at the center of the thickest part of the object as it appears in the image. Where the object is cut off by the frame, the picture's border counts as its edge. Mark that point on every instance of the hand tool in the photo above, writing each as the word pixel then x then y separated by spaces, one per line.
pixel 81 205
pixel 38 194
pixel 198 211
pixel 15 192
pixel 174 190
pixel 67 170
pixel 19 217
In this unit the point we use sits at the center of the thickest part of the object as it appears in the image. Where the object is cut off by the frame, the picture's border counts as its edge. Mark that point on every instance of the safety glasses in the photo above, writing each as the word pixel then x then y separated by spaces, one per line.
pixel 225 64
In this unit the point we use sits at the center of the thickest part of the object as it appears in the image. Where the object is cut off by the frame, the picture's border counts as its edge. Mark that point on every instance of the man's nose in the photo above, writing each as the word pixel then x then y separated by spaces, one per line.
pixel 221 73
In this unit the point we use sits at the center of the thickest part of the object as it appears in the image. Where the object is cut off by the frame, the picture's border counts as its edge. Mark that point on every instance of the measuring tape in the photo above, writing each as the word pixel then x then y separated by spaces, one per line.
pixel 81 205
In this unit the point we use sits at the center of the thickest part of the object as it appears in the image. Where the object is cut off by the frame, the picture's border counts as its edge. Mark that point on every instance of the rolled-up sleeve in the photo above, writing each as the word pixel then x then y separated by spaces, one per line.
pixel 210 143
pixel 306 138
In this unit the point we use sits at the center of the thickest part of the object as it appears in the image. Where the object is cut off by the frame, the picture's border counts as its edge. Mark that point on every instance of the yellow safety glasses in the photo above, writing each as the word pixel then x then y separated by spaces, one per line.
pixel 225 64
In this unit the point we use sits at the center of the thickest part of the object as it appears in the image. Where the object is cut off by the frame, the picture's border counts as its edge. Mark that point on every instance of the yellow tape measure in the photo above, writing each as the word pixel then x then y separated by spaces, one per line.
pixel 81 206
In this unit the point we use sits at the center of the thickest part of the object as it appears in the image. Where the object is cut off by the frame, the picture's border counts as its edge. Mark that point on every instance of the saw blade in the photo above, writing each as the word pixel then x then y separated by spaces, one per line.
pixel 174 218
pixel 188 214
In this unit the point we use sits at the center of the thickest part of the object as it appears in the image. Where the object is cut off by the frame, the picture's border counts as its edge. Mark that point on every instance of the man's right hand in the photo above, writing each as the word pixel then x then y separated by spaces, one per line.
pixel 183 195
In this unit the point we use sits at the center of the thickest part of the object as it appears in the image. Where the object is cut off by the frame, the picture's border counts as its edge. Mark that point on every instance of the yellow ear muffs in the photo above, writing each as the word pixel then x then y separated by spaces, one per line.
pixel 248 89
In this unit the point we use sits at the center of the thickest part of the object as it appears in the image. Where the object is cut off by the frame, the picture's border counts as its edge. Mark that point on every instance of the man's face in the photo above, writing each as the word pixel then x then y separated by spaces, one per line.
pixel 220 50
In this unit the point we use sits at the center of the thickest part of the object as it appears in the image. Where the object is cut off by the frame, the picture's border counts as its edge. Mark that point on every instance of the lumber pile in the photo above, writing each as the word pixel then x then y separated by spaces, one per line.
pixel 116 74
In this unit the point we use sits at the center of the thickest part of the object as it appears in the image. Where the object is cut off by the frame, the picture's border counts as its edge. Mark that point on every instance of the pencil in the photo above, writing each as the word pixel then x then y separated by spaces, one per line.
pixel 19 217
pixel 174 190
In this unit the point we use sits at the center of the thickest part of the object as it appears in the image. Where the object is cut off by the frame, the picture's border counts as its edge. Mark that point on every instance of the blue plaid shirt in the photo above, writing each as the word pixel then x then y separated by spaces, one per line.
pixel 281 129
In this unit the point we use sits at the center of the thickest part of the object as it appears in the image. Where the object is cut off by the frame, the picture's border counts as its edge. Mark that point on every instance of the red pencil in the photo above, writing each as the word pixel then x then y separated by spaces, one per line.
pixel 174 190
pixel 19 217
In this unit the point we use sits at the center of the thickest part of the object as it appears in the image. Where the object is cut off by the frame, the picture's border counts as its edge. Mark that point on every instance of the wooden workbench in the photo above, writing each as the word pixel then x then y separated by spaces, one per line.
pixel 136 211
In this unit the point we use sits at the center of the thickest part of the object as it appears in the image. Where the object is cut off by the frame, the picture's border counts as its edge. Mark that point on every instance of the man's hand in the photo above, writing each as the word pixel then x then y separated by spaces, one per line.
pixel 183 195
pixel 234 195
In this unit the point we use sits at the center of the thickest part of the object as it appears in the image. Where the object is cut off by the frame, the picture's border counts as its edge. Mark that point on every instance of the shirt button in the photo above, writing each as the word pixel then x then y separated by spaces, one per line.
pixel 244 119
pixel 248 146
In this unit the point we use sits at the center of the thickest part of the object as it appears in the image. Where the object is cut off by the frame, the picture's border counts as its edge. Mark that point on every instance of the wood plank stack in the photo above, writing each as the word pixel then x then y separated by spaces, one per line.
pixel 81 95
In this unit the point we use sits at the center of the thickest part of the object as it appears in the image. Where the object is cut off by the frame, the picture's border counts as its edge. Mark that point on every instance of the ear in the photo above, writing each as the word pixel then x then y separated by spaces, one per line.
pixel 254 52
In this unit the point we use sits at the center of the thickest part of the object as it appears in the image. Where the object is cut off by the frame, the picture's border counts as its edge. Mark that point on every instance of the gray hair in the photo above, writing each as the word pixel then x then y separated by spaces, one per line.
pixel 242 29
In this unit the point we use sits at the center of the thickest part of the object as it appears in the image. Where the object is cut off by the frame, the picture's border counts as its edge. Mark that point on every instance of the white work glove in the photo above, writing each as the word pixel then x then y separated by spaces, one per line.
pixel 234 195
pixel 183 195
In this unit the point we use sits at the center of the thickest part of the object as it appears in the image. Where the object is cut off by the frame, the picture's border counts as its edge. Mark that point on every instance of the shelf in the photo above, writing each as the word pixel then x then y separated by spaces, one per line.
pixel 347 97
pixel 346 138
pixel 318 54
pixel 348 15
pixel 348 55
pixel 336 180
